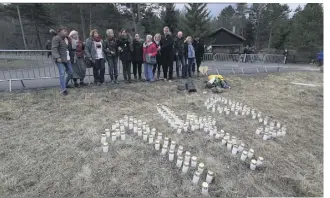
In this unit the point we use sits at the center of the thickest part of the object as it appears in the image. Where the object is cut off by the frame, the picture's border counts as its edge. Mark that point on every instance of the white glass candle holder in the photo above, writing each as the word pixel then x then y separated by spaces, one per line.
pixel 164 150
pixel 260 120
pixel 206 129
pixel 244 155
pixel 107 133
pixel 117 123
pixel 193 128
pixel 151 138
pixel 193 161
pixel 185 167
pixel 145 136
pixel 205 189
pixel 209 177
pixel 157 145
pixel 171 155
pixel 260 161
pixel 254 116
pixel 172 145
pixel 122 136
pixel 251 153
pixel 147 129
pixel 179 161
pixel 180 151
pixel 166 140
pixel 229 145
pixel 122 128
pixel 258 131
pixel 114 136
pixel 113 127
pixel 241 147
pixel 130 126
pixel 233 140
pixel 159 136
pixel 139 132
pixel 196 177
pixel 274 135
pixel 265 137
pixel 253 164
pixel 135 129
pixel 103 138
pixel 234 150
pixel 105 147
pixel 179 130
pixel 201 167
pixel 217 135
pixel 187 157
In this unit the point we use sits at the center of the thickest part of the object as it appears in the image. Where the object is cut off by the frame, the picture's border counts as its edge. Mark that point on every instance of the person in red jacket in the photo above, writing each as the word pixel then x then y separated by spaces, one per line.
pixel 149 57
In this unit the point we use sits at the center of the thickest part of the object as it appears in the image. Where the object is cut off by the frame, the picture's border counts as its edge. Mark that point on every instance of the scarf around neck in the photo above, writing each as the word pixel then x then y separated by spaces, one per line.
pixel 97 39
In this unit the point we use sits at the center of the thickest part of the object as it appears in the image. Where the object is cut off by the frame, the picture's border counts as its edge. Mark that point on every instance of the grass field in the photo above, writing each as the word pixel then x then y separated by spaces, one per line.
pixel 50 145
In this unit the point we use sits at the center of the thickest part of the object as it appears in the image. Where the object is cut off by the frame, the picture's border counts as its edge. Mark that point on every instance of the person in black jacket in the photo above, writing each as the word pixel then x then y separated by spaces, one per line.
pixel 125 47
pixel 159 59
pixel 137 56
pixel 111 52
pixel 199 50
pixel 286 54
pixel 166 49
pixel 179 53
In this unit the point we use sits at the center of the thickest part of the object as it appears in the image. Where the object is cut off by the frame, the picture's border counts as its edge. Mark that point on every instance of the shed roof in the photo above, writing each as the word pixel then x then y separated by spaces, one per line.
pixel 228 31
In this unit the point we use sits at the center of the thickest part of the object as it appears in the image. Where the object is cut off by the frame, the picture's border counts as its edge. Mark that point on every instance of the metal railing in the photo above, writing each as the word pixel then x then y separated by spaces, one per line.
pixel 20 65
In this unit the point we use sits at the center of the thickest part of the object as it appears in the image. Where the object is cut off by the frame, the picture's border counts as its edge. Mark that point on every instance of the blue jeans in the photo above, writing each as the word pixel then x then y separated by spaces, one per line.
pixel 190 65
pixel 180 61
pixel 148 71
pixel 62 68
pixel 113 67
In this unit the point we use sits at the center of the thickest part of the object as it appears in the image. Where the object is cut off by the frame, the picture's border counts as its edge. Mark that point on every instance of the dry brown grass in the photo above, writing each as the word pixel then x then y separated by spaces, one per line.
pixel 50 145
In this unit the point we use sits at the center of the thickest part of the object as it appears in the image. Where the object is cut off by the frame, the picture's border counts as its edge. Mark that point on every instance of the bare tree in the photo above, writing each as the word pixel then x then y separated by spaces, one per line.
pixel 22 29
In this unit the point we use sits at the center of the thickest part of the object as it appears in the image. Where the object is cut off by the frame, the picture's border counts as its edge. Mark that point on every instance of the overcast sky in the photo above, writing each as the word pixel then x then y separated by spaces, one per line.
pixel 216 8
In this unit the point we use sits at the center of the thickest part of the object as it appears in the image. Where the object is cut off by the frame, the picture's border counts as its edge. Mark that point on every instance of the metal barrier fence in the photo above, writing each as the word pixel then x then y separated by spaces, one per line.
pixel 19 65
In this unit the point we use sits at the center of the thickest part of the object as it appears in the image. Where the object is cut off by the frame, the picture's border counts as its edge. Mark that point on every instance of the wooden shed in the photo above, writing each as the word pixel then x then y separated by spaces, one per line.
pixel 223 40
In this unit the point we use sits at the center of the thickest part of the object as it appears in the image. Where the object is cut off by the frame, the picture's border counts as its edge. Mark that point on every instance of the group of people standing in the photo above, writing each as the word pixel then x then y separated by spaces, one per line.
pixel 156 53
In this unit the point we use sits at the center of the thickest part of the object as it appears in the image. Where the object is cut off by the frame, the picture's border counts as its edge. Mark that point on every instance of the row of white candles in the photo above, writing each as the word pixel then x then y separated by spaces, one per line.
pixel 230 142
pixel 245 111
pixel 183 162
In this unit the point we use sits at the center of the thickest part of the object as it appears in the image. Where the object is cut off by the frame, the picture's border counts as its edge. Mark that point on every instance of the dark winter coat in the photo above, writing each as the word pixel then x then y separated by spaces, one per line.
pixel 199 49
pixel 59 48
pixel 166 44
pixel 137 55
pixel 110 45
pixel 159 55
pixel 127 47
pixel 179 45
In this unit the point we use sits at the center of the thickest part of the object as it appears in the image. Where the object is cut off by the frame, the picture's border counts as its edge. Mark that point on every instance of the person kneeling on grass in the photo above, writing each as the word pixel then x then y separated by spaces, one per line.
pixel 60 52
pixel 149 57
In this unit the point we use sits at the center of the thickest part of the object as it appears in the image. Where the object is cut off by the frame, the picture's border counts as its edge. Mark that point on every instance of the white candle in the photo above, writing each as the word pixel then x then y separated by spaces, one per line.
pixel 234 150
pixel 260 161
pixel 229 145
pixel 260 120
pixel 211 133
pixel 254 116
pixel 196 177
pixel 171 155
pixel 244 155
pixel 157 145
pixel 258 131
pixel 193 127
pixel 130 126
pixel 172 145
pixel 201 167
pixel 139 132
pixel 160 136
pixel 166 141
pixel 179 162
pixel 103 138
pixel 251 153
pixel 117 123
pixel 241 147
pixel 113 127
pixel 151 138
pixel 107 133
pixel 180 150
pixel 206 129
pixel 217 136
pixel 253 164
pixel 135 129
pixel 164 150
pixel 209 177
pixel 185 167
pixel 187 157
pixel 105 147
pixel 223 141
pixel 145 136
pixel 114 137
pixel 205 189
pixel 122 135
pixel 147 129
pixel 193 161
pixel 233 140
pixel 185 127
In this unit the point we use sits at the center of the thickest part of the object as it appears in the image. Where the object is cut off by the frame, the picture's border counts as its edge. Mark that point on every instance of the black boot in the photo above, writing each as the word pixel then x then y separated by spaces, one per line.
pixel 76 83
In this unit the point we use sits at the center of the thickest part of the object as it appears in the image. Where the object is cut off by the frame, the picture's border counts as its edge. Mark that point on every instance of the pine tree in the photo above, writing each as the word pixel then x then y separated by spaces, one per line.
pixel 170 17
pixel 225 17
pixel 197 19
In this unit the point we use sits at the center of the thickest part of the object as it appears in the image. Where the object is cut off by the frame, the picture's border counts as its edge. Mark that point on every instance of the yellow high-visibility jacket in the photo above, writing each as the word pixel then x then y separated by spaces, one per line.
pixel 216 76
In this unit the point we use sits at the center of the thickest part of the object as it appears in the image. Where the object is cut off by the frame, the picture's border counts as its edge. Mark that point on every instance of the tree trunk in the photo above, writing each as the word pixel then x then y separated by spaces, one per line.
pixel 37 30
pixel 20 21
pixel 270 36
pixel 133 18
pixel 82 23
